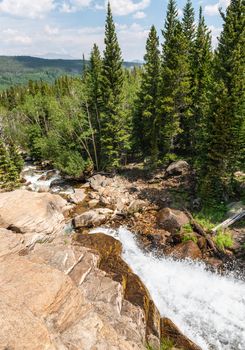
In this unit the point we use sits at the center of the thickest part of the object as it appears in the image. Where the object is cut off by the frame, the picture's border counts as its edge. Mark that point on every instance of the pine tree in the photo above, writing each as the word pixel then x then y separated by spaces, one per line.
pixel 95 97
pixel 226 121
pixel 146 123
pixel 188 24
pixel 16 157
pixel 174 102
pixel 4 163
pixel 112 123
pixel 202 83
pixel 9 175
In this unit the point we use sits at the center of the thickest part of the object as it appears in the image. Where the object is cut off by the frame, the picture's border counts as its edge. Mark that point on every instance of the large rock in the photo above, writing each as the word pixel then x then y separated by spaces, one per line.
pixel 55 297
pixel 92 218
pixel 98 181
pixel 78 196
pixel 180 167
pixel 135 291
pixel 186 250
pixel 28 212
pixel 171 220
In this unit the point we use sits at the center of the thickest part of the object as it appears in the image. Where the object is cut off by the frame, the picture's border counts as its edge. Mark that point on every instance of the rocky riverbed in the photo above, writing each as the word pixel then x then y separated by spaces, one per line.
pixel 73 289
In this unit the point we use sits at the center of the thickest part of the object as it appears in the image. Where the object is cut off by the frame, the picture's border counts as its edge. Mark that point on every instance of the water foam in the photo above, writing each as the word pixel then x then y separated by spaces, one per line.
pixel 207 307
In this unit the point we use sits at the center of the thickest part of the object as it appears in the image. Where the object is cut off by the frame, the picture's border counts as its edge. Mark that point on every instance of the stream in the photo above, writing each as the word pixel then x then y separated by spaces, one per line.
pixel 207 307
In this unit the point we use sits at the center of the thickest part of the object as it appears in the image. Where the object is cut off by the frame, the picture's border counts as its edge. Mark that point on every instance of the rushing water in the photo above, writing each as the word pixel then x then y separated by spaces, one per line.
pixel 207 307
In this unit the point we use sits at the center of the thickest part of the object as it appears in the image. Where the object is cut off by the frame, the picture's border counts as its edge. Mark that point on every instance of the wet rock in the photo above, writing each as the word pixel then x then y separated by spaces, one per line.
pixel 186 250
pixel 92 218
pixel 180 167
pixel 48 175
pixel 31 213
pixel 169 330
pixel 171 220
pixel 135 291
pixel 78 196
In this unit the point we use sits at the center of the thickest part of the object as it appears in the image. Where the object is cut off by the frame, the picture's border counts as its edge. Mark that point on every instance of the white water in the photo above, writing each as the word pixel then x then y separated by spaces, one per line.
pixel 207 307
pixel 33 177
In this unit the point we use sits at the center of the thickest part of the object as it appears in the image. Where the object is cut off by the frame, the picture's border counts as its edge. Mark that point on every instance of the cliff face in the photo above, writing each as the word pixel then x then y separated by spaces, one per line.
pixel 64 292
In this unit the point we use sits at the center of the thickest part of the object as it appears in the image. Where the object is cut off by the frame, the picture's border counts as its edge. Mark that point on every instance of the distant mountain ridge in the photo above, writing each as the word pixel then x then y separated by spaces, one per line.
pixel 18 70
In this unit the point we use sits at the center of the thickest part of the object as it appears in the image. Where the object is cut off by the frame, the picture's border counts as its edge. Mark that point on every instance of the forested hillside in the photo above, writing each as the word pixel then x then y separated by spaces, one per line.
pixel 20 69
pixel 187 102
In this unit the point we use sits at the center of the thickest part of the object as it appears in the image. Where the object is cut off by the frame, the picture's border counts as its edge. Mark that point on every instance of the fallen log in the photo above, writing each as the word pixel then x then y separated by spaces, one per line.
pixel 200 230
pixel 229 221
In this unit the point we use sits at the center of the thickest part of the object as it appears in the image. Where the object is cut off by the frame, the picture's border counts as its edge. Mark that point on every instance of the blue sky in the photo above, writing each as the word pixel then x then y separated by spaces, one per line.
pixel 68 28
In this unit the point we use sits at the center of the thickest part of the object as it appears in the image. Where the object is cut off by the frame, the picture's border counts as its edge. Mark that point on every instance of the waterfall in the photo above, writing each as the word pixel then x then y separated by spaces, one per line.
pixel 207 307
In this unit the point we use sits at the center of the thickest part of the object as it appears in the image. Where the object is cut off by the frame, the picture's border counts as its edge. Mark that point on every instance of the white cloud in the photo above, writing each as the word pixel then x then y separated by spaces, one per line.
pixel 139 15
pixel 180 12
pixel 12 36
pixel 215 31
pixel 51 30
pixel 126 7
pixel 70 6
pixel 27 8
pixel 213 10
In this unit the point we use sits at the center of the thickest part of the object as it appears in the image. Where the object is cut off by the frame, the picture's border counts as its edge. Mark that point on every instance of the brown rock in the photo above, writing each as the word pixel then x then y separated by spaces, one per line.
pixel 180 167
pixel 171 220
pixel 78 196
pixel 92 218
pixel 135 291
pixel 29 212
pixel 56 298
pixel 186 250
pixel 169 330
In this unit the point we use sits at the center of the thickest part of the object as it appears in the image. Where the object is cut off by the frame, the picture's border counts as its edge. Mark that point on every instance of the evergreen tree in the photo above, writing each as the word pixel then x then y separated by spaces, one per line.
pixel 146 123
pixel 188 24
pixel 202 82
pixel 4 164
pixel 112 121
pixel 95 98
pixel 16 157
pixel 226 139
pixel 175 100
pixel 9 175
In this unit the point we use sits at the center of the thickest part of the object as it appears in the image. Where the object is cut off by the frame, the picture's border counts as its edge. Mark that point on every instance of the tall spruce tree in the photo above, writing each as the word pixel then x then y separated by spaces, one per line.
pixel 188 24
pixel 146 124
pixel 186 119
pixel 9 174
pixel 226 140
pixel 202 83
pixel 175 100
pixel 112 123
pixel 95 96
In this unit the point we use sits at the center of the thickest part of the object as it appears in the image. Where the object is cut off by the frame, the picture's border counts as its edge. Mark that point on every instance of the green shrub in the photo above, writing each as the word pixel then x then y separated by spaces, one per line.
pixel 189 237
pixel 187 228
pixel 224 240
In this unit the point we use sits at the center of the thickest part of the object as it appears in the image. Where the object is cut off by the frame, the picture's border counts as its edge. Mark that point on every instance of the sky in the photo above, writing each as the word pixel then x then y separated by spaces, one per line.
pixel 69 28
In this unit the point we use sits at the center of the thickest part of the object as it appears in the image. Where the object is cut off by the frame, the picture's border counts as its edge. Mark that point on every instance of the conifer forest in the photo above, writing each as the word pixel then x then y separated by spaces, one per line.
pixel 185 102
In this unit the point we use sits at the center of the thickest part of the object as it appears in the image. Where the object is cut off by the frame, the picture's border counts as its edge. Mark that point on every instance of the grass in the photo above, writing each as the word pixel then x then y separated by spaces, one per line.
pixel 211 216
pixel 188 234
pixel 224 240
pixel 166 344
